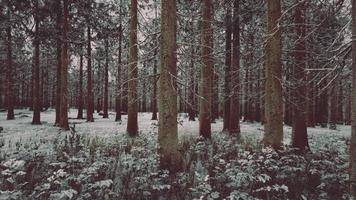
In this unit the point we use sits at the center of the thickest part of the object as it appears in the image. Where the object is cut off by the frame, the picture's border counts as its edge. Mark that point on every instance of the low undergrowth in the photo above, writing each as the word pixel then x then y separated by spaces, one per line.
pixel 78 167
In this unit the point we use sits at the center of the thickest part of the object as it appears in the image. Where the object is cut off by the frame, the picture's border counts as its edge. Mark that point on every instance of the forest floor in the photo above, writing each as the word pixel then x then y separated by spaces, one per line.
pixel 19 137
pixel 20 129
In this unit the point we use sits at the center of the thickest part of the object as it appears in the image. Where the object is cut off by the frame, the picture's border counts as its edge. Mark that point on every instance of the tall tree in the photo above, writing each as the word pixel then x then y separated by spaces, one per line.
pixel 36 69
pixel 10 95
pixel 154 96
pixel 106 80
pixel 59 59
pixel 132 125
pixel 273 94
pixel 90 95
pixel 154 83
pixel 167 129
pixel 299 127
pixel 63 120
pixel 234 125
pixel 191 107
pixel 227 87
pixel 206 71
pixel 353 108
pixel 80 99
pixel 118 78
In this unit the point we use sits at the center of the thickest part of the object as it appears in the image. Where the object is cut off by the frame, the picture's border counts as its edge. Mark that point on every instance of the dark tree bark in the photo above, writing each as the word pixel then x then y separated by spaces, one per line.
pixel 273 98
pixel 9 74
pixel 80 99
pixel 106 80
pixel 234 128
pixel 206 71
pixel 63 120
pixel 59 61
pixel 288 113
pixel 227 86
pixel 90 95
pixel 132 125
pixel 170 157
pixel 98 84
pixel 154 97
pixel 353 111
pixel 299 128
pixel 36 69
pixel 118 78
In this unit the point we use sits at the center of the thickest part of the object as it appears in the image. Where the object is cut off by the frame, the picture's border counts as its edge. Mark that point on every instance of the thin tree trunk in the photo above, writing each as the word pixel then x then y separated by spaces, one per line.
pixel 299 128
pixel 215 98
pixel 36 76
pixel 59 61
pixel 106 80
pixel 90 95
pixel 332 107
pixel 234 128
pixel 154 97
pixel 227 87
pixel 191 105
pixel 80 100
pixel 207 71
pixel 63 120
pixel 168 130
pixel 118 78
pixel 273 99
pixel 132 125
pixel 10 94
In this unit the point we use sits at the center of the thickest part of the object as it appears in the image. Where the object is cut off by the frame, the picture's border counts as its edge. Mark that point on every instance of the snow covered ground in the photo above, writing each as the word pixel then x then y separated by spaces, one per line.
pixel 19 130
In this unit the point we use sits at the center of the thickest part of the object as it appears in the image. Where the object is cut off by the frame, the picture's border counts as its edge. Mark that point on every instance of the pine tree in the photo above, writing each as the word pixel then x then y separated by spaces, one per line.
pixel 273 94
pixel 206 71
pixel 132 125
pixel 167 130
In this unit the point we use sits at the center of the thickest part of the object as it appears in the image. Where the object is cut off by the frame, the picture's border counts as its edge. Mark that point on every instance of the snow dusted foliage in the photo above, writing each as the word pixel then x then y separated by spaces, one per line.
pixel 98 161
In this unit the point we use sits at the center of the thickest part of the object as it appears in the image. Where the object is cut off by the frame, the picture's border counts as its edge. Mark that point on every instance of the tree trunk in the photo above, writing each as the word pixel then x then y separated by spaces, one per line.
pixel 234 128
pixel 132 125
pixel 207 71
pixel 80 100
pixel 288 113
pixel 106 80
pixel 353 112
pixel 63 120
pixel 36 76
pixel 227 86
pixel 299 128
pixel 90 95
pixel 59 61
pixel 191 89
pixel 168 130
pixel 273 97
pixel 98 84
pixel 332 107
pixel 154 96
pixel 10 94
pixel 118 78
